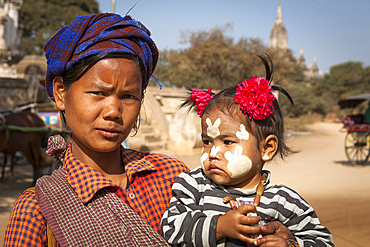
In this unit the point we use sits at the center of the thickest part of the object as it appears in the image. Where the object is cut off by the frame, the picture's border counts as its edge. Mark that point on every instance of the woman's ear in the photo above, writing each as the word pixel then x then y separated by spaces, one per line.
pixel 59 92
pixel 269 147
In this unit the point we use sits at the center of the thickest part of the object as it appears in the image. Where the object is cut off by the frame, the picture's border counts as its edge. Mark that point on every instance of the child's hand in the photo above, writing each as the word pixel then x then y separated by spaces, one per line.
pixel 235 224
pixel 271 241
pixel 277 234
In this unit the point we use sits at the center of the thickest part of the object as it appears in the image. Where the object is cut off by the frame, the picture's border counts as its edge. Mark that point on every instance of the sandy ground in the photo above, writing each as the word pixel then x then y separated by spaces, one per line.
pixel 320 172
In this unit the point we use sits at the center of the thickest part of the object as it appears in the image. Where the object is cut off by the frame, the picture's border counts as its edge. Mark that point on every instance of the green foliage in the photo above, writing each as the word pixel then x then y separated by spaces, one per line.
pixel 345 80
pixel 41 19
pixel 215 60
pixel 321 96
pixel 305 101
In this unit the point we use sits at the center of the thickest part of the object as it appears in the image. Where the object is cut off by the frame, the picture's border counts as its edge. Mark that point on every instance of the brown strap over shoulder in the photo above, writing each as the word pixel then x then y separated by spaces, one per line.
pixel 52 242
pixel 107 219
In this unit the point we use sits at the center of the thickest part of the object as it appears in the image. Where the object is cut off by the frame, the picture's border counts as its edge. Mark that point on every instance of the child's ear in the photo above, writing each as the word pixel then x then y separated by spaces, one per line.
pixel 59 92
pixel 269 147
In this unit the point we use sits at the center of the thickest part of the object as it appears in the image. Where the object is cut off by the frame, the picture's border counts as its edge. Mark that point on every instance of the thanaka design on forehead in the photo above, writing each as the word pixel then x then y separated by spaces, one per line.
pixel 239 164
pixel 212 129
pixel 242 134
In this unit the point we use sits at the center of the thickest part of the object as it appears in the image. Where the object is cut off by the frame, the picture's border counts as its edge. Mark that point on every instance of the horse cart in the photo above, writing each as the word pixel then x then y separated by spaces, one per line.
pixel 25 130
pixel 356 121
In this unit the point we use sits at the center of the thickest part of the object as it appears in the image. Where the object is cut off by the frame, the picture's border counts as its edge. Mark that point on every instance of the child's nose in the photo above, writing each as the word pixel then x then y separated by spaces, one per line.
pixel 215 152
pixel 112 109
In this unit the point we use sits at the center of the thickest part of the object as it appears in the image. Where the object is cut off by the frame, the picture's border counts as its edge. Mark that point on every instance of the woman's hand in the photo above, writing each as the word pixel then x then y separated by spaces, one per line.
pixel 236 224
pixel 275 233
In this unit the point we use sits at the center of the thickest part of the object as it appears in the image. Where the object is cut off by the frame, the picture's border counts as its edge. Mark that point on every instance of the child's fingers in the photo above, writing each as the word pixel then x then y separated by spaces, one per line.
pixel 246 208
pixel 246 232
pixel 276 228
pixel 251 221
pixel 270 241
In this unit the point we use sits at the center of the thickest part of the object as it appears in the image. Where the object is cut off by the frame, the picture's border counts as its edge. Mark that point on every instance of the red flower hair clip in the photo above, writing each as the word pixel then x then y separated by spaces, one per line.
pixel 255 98
pixel 201 99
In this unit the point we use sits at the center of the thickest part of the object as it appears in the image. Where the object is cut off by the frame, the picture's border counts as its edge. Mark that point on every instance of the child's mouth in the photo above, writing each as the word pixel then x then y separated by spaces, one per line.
pixel 214 168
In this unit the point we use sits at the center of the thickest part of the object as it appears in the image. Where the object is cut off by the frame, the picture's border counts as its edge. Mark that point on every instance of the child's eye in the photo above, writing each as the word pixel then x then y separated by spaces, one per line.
pixel 228 142
pixel 206 142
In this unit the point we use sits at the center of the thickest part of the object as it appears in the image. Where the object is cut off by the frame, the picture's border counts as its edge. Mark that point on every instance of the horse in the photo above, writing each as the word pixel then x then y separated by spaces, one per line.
pixel 29 141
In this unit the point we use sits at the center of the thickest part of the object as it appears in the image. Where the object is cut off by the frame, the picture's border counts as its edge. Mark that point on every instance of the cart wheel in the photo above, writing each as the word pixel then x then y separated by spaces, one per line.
pixel 357 147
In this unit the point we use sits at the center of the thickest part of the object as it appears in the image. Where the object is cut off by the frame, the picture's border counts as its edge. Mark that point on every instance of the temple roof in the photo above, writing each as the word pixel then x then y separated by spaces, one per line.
pixel 279 34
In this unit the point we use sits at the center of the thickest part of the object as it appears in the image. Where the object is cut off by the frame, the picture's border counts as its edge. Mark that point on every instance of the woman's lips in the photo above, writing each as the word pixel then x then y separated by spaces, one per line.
pixel 111 133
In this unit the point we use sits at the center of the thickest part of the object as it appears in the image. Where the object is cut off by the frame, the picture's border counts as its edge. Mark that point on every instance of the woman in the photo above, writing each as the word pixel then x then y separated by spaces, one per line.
pixel 98 69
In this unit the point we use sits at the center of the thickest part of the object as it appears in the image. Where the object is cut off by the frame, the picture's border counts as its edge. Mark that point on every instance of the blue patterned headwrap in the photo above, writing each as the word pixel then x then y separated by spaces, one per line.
pixel 98 34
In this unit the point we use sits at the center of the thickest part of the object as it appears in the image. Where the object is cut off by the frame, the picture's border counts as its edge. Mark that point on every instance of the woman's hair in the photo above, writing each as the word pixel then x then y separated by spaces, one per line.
pixel 271 125
pixel 101 34
pixel 80 68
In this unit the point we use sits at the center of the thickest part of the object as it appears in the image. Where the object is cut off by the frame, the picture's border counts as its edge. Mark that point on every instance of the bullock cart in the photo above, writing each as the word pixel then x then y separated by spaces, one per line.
pixel 356 113
pixel 25 130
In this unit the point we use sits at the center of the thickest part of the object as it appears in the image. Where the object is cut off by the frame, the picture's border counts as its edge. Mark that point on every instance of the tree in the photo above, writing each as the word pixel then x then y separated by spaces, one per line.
pixel 321 96
pixel 345 80
pixel 40 20
pixel 215 60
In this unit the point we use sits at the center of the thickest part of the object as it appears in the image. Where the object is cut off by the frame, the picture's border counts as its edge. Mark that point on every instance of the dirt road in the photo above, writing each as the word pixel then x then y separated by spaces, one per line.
pixel 320 172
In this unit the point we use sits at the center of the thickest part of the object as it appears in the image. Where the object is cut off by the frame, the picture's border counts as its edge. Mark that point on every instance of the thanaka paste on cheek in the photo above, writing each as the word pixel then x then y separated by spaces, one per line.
pixel 214 151
pixel 239 165
pixel 212 129
pixel 242 134
pixel 203 158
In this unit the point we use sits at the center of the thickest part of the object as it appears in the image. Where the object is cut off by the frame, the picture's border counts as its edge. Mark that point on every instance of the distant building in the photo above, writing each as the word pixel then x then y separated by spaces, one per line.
pixel 279 40
pixel 279 35
pixel 9 28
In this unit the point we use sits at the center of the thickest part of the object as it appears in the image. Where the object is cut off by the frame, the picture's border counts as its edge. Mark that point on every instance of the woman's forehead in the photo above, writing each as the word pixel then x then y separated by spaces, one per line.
pixel 112 73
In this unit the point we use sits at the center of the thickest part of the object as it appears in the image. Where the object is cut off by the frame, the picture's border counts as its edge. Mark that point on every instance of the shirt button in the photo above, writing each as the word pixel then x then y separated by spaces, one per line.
pixel 131 195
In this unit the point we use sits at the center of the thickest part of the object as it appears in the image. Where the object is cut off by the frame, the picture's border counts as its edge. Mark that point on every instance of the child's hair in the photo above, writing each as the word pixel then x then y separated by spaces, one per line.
pixel 272 124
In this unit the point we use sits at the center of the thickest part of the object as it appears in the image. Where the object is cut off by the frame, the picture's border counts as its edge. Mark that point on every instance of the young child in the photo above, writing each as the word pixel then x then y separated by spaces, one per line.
pixel 242 128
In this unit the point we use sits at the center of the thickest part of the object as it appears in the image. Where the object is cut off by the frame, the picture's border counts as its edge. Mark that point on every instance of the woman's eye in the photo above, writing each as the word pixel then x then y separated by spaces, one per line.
pixel 227 142
pixel 129 96
pixel 97 92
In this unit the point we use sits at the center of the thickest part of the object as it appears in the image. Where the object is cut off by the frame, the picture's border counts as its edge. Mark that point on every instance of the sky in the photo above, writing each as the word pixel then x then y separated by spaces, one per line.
pixel 335 31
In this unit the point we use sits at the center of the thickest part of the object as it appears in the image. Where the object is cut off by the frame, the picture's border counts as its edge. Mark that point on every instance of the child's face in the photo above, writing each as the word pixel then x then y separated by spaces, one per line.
pixel 102 106
pixel 230 153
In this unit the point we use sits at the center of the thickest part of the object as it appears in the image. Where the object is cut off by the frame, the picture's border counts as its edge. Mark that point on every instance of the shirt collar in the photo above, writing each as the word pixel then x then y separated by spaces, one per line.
pixel 136 162
pixel 86 181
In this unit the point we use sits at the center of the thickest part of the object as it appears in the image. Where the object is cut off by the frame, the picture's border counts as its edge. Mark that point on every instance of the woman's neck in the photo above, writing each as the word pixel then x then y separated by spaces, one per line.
pixel 109 164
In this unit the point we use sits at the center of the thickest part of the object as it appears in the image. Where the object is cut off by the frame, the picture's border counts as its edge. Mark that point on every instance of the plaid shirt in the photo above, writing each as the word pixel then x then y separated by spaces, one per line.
pixel 150 178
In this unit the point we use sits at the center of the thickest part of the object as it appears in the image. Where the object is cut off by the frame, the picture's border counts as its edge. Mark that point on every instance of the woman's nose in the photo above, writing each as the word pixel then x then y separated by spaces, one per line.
pixel 112 109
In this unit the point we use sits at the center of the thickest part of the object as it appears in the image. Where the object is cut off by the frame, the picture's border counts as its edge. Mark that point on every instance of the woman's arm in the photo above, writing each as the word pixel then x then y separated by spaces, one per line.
pixel 26 223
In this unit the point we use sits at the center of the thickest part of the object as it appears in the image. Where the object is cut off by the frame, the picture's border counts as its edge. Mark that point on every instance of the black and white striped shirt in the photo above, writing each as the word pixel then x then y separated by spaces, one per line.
pixel 192 215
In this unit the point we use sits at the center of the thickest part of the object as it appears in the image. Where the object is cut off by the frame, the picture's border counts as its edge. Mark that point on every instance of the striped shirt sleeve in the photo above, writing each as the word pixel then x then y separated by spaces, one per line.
pixel 287 206
pixel 184 222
